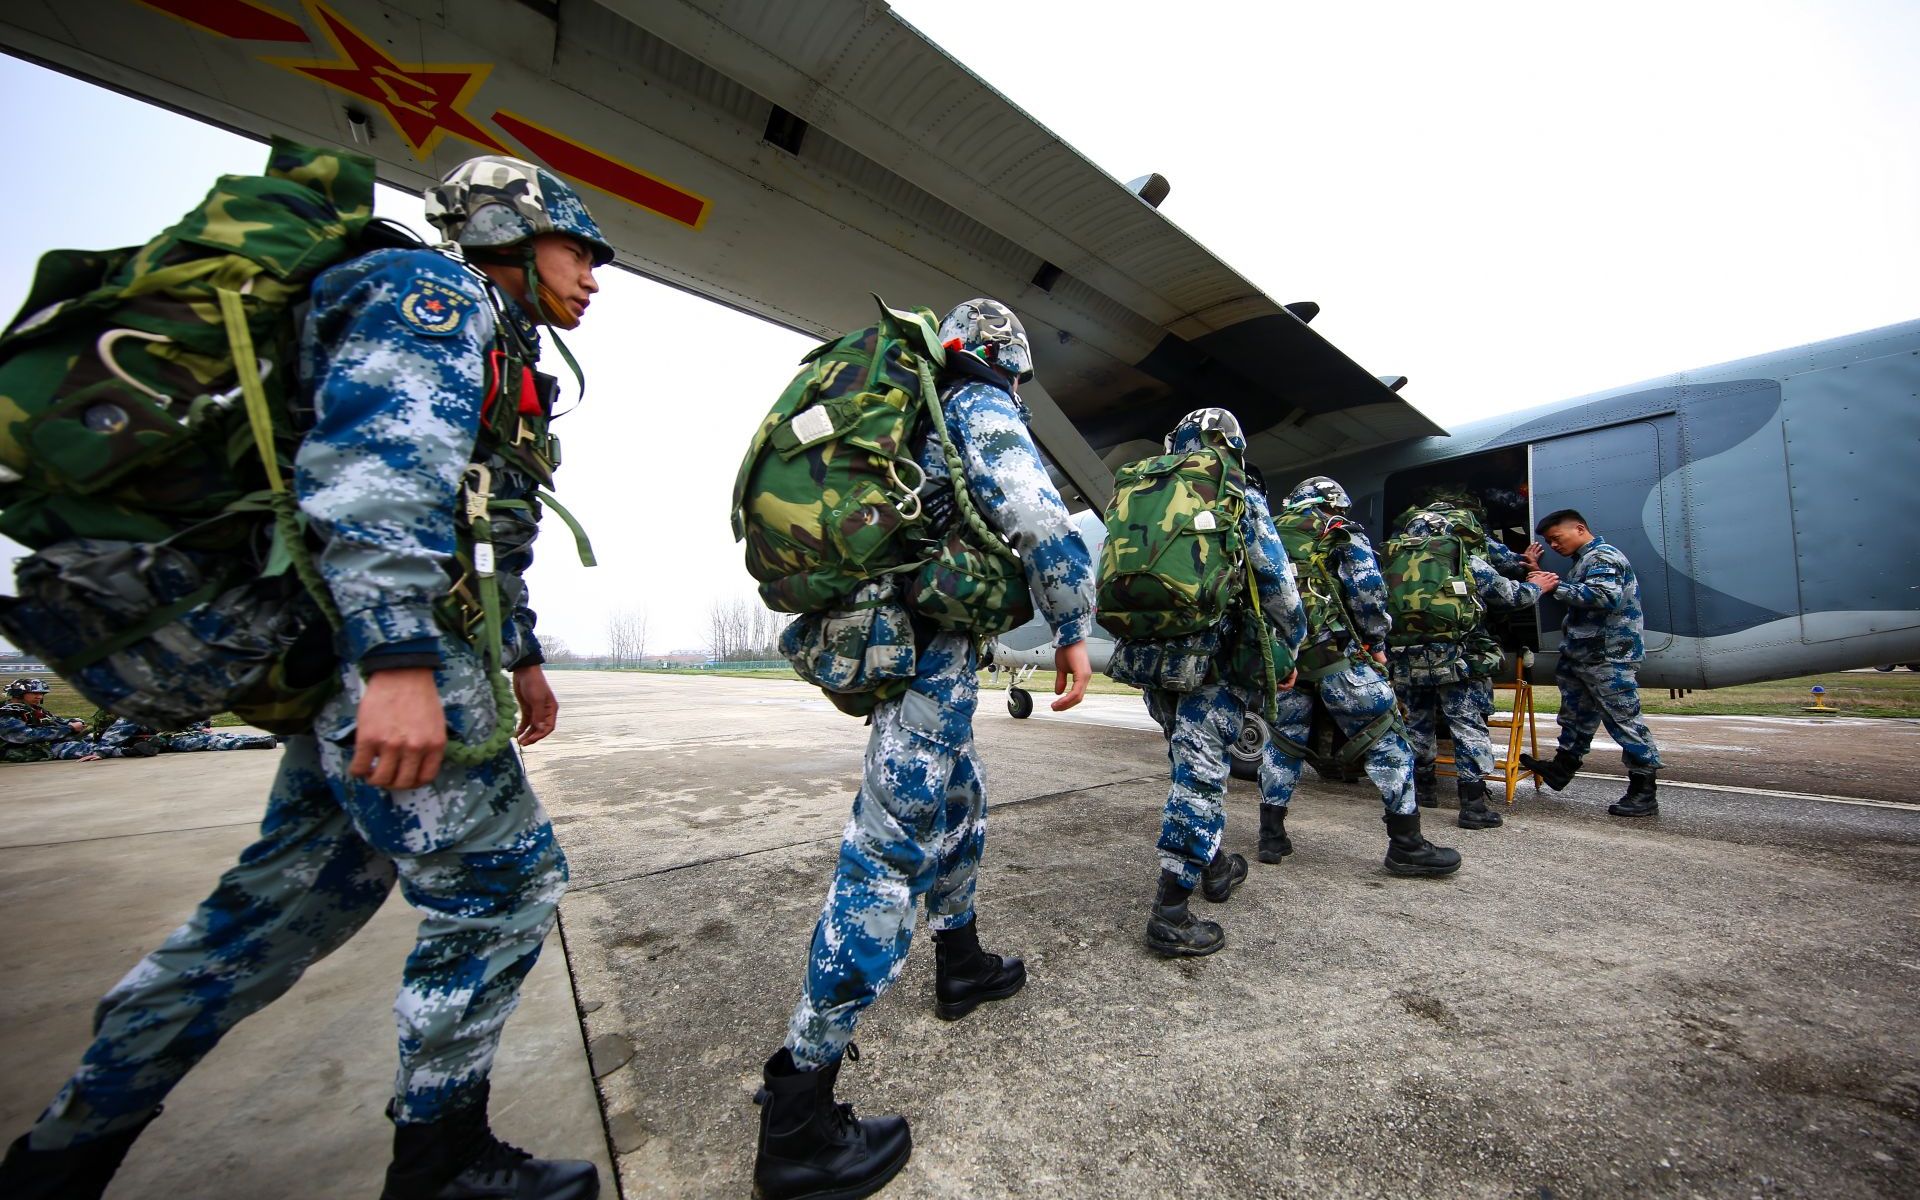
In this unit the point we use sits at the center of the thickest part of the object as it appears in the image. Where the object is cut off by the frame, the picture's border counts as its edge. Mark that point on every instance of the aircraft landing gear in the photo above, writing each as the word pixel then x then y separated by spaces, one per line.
pixel 1019 699
pixel 1247 748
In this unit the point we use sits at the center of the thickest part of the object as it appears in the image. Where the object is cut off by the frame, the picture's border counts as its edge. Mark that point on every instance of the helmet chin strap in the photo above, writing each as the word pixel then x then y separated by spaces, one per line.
pixel 545 303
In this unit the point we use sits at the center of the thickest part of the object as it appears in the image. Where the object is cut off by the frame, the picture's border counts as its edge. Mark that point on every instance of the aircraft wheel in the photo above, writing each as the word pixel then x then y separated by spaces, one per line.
pixel 1246 750
pixel 1913 666
pixel 1887 667
pixel 1020 703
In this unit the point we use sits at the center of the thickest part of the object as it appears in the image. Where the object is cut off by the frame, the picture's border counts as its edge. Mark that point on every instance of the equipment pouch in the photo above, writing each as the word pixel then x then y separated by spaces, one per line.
pixel 1181 664
pixel 167 636
pixel 98 434
pixel 970 590
pixel 860 653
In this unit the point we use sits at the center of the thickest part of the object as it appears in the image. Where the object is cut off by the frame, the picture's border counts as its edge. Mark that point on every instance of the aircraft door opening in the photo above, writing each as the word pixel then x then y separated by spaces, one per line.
pixel 1613 476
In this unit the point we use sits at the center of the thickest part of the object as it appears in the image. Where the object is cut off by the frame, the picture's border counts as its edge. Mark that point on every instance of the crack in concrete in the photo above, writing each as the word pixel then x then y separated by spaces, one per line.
pixel 575 889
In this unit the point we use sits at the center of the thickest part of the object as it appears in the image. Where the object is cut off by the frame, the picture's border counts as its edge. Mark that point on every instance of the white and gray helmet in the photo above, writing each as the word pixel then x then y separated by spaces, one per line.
pixel 1318 489
pixel 493 202
pixel 1201 421
pixel 988 330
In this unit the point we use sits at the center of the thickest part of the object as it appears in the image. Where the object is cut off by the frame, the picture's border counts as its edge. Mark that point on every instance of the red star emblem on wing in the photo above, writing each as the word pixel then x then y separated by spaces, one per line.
pixel 425 101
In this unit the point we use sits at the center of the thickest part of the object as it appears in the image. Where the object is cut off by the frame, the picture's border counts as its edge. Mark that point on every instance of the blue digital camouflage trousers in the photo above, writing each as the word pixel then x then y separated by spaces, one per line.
pixel 918 827
pixel 1593 694
pixel 1356 698
pixel 1200 726
pixel 1466 706
pixel 472 850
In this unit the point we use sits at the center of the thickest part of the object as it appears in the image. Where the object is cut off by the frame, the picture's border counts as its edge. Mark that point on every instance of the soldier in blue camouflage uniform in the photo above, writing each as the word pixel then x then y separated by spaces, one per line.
pixel 29 733
pixel 1601 644
pixel 919 817
pixel 198 736
pixel 1358 696
pixel 1440 679
pixel 394 369
pixel 1202 723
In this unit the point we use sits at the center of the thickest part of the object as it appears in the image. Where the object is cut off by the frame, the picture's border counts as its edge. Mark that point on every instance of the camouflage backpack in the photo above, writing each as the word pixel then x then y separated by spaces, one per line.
pixel 1312 537
pixel 1173 563
pixel 827 498
pixel 1430 594
pixel 146 442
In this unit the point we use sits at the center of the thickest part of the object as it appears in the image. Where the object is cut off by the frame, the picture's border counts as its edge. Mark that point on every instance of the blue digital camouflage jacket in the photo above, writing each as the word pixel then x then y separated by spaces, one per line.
pixel 393 365
pixel 1603 621
pixel 1010 486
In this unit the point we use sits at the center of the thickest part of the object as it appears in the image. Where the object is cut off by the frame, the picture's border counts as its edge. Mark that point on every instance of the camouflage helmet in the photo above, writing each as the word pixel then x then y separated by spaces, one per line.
pixel 1318 489
pixel 1193 428
pixel 495 201
pixel 1423 522
pixel 27 687
pixel 988 330
pixel 1448 495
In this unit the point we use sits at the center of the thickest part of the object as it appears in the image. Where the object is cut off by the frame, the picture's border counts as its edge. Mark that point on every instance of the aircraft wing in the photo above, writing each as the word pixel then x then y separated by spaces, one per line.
pixel 783 157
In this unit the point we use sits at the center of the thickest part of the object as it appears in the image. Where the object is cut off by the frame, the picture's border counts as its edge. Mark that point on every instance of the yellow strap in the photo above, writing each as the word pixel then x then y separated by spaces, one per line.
pixel 240 340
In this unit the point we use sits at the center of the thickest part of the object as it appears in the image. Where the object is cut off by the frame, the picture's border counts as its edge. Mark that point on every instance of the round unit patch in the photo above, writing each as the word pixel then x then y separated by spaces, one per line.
pixel 434 308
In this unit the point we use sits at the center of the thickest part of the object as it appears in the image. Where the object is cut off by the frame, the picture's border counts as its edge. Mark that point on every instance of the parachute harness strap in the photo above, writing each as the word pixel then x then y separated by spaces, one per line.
pixel 476 489
pixel 983 533
pixel 286 510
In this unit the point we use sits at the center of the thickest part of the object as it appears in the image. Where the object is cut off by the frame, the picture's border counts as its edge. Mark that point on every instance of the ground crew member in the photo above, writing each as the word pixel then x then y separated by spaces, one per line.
pixel 29 733
pixel 1202 723
pixel 1452 678
pixel 1601 645
pixel 1342 661
pixel 394 364
pixel 919 817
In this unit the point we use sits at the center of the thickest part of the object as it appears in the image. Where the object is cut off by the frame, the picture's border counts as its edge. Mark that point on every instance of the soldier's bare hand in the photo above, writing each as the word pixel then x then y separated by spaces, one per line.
pixel 1293 677
pixel 539 709
pixel 1071 660
pixel 1532 554
pixel 77 725
pixel 1380 656
pixel 1546 581
pixel 402 730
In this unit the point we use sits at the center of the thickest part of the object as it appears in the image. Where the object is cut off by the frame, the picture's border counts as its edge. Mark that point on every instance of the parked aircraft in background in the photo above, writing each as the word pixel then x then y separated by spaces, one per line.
pixel 788 157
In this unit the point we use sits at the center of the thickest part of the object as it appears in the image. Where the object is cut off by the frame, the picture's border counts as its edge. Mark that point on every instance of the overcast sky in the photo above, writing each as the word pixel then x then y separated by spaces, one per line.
pixel 1510 203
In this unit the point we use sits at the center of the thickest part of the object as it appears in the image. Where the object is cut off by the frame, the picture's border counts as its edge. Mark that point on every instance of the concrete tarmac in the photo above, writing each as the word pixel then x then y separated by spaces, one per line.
pixel 1717 1001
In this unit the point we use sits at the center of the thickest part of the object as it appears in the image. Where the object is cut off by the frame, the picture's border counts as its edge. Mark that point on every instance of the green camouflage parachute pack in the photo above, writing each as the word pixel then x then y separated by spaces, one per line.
pixel 146 446
pixel 1430 593
pixel 150 470
pixel 1173 563
pixel 1312 537
pixel 827 496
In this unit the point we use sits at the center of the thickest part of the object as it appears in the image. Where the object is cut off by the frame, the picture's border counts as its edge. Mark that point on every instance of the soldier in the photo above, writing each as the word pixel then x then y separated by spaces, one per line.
pixel 198 736
pixel 1343 659
pixel 1451 676
pixel 1201 723
pixel 29 733
pixel 395 367
pixel 919 817
pixel 1600 650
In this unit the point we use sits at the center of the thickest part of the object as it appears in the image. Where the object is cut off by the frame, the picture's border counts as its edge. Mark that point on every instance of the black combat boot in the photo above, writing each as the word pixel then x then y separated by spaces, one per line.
pixel 1175 932
pixel 1474 813
pixel 1274 842
pixel 811 1146
pixel 1556 774
pixel 965 976
pixel 458 1158
pixel 1640 800
pixel 1225 873
pixel 1423 785
pixel 1410 854
pixel 79 1172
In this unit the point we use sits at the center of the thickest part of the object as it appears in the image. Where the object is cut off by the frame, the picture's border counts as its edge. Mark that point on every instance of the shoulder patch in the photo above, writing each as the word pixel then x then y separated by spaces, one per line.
pixel 434 308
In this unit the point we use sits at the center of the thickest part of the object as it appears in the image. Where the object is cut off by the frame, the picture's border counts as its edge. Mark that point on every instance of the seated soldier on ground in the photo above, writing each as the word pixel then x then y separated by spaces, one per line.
pixel 29 733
